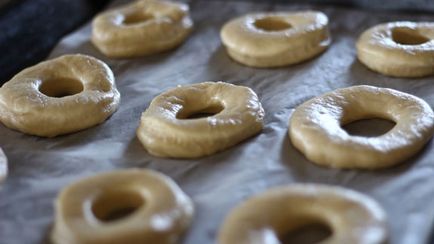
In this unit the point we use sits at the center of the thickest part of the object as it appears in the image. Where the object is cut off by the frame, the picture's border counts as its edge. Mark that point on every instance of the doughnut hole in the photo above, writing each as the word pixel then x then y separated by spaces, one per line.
pixel 369 127
pixel 116 205
pixel 136 18
pixel 310 232
pixel 272 23
pixel 61 87
pixel 408 36
pixel 200 112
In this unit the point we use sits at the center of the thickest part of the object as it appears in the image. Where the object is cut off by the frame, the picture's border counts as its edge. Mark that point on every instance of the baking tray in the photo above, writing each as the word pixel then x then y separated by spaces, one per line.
pixel 40 167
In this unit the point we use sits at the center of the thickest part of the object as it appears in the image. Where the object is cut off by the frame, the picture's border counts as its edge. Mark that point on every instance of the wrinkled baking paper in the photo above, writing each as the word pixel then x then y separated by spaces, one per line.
pixel 40 167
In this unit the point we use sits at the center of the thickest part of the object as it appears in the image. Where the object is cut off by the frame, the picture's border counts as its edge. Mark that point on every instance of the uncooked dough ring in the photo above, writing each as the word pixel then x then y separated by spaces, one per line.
pixel 141 28
pixel 401 49
pixel 166 130
pixel 3 166
pixel 266 218
pixel 276 39
pixel 315 127
pixel 89 211
pixel 59 96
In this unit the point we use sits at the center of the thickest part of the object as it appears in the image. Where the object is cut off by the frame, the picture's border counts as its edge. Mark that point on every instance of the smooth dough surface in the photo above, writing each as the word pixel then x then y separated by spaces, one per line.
pixel 315 127
pixel 3 166
pixel 141 28
pixel 400 49
pixel 85 210
pixel 59 96
pixel 265 219
pixel 276 39
pixel 167 131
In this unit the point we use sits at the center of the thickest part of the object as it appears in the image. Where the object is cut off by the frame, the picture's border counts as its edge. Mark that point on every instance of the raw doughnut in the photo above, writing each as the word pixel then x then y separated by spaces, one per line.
pixel 276 39
pixel 3 166
pixel 59 96
pixel 315 127
pixel 127 206
pixel 141 28
pixel 401 49
pixel 167 128
pixel 266 218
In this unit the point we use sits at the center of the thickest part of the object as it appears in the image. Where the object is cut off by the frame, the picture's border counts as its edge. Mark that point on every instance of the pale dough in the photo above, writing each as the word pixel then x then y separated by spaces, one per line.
pixel 159 212
pixel 141 28
pixel 166 130
pixel 276 38
pixel 401 49
pixel 315 127
pixel 59 96
pixel 264 219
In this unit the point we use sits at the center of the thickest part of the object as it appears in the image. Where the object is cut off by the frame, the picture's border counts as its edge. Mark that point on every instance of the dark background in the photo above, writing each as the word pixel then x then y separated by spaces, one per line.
pixel 29 29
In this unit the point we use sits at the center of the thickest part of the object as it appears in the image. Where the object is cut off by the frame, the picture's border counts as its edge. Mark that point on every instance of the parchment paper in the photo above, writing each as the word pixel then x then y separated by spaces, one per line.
pixel 40 167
